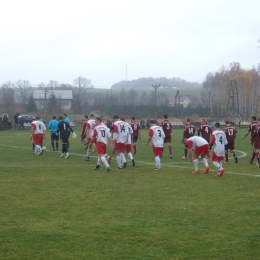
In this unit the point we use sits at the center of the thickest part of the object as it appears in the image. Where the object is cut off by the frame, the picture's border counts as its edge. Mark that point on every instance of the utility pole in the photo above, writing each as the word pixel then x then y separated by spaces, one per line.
pixel 45 103
pixel 155 108
pixel 233 104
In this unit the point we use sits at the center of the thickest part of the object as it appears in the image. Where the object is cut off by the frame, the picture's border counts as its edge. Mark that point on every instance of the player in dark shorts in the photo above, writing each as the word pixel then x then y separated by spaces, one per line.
pixel 167 129
pixel 251 129
pixel 53 126
pixel 205 131
pixel 136 132
pixel 257 143
pixel 188 131
pixel 231 133
pixel 83 132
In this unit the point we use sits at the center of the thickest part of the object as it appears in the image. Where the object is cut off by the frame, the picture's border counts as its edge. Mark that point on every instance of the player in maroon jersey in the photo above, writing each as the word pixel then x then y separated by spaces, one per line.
pixel 251 129
pixel 257 142
pixel 231 133
pixel 188 131
pixel 205 131
pixel 167 129
pixel 136 132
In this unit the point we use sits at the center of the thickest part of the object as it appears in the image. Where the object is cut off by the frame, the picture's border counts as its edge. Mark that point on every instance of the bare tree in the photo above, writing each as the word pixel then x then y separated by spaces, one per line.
pixel 52 84
pixel 23 89
pixel 7 96
pixel 81 85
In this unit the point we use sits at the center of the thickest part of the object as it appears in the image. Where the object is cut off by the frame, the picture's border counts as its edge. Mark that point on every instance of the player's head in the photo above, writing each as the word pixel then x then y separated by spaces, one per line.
pixel 217 125
pixel 203 121
pixel 98 120
pixel 122 119
pixel 188 120
pixel 165 116
pixel 152 122
pixel 86 116
pixel 91 115
pixel 115 117
pixel 54 117
pixel 60 118
pixel 37 118
pixel 132 118
pixel 65 115
pixel 227 122
pixel 253 118
pixel 184 140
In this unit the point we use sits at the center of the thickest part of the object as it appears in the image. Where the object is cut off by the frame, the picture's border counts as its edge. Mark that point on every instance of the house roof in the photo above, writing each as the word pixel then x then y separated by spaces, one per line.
pixel 183 98
pixel 60 94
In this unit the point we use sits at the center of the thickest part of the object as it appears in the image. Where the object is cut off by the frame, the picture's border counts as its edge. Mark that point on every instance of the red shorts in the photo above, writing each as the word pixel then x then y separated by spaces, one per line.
pixel 168 139
pixel 128 148
pixel 215 158
pixel 101 148
pixel 89 140
pixel 202 150
pixel 38 139
pixel 119 146
pixel 158 151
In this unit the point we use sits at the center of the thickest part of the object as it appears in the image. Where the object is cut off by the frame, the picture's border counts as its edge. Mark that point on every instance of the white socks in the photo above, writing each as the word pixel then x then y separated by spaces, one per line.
pixel 205 161
pixel 196 164
pixel 103 159
pixel 130 156
pixel 157 162
pixel 218 165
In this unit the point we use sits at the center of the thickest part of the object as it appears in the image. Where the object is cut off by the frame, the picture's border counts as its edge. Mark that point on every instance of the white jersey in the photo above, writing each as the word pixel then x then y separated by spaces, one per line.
pixel 102 133
pixel 38 127
pixel 120 132
pixel 219 137
pixel 91 125
pixel 157 134
pixel 130 132
pixel 197 141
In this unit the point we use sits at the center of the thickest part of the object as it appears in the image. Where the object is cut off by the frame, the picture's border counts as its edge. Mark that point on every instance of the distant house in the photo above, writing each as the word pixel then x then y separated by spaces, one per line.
pixel 184 100
pixel 64 97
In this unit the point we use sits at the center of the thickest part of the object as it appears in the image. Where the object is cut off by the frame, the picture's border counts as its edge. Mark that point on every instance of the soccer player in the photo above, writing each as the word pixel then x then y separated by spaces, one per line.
pixel 128 144
pixel 167 129
pixel 197 146
pixel 38 134
pixel 89 133
pixel 220 141
pixel 64 128
pixel 205 132
pixel 188 131
pixel 66 119
pixel 157 135
pixel 100 136
pixel 256 144
pixel 83 132
pixel 53 126
pixel 251 129
pixel 230 133
pixel 136 132
pixel 120 135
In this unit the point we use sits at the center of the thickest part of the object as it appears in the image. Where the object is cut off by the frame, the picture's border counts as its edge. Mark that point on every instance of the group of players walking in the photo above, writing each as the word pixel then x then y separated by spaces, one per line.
pixel 121 136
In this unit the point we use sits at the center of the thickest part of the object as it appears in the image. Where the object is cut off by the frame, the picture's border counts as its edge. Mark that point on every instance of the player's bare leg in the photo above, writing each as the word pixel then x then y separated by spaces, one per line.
pixel 253 157
pixel 134 147
pixel 234 155
pixel 170 149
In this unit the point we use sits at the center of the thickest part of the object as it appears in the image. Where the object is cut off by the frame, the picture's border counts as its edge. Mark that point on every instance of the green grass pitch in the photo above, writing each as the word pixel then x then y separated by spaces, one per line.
pixel 53 208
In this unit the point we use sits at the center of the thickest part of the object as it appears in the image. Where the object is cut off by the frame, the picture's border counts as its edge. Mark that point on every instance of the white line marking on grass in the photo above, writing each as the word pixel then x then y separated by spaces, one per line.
pixel 142 162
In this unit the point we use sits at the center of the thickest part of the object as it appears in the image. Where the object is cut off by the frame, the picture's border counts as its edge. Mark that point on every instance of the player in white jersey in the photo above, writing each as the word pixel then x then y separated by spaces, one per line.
pixel 128 144
pixel 100 136
pixel 89 134
pixel 38 133
pixel 157 135
pixel 219 139
pixel 120 135
pixel 197 146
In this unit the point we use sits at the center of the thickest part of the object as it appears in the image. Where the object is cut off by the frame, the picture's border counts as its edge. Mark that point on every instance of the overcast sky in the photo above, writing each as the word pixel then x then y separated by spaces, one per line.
pixel 60 40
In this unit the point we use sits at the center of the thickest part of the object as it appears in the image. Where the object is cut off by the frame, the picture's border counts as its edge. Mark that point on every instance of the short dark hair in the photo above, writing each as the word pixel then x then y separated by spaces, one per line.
pixel 65 115
pixel 99 119
pixel 227 122
pixel 86 116
pixel 122 118
pixel 188 119
pixel 204 120
pixel 115 117
pixel 217 125
pixel 152 122
pixel 254 118
pixel 37 117
pixel 91 115
pixel 133 118
pixel 54 117
pixel 60 117
pixel 165 116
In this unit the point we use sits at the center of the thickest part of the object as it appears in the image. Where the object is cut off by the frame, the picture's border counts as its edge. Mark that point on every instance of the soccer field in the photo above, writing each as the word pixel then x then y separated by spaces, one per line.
pixel 53 208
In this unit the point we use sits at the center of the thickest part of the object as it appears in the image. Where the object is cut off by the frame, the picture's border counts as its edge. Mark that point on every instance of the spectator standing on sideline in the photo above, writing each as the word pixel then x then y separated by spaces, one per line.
pixel 16 120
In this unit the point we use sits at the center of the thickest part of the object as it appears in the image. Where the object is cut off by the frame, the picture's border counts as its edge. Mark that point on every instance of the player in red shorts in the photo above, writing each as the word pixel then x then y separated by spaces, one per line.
pixel 100 136
pixel 251 129
pixel 188 131
pixel 157 135
pixel 38 134
pixel 199 147
pixel 219 139
pixel 120 135
pixel 230 133
pixel 136 132
pixel 205 131
pixel 167 128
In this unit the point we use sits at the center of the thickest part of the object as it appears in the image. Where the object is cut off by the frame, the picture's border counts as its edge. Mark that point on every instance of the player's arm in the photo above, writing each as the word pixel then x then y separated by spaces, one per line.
pixel 189 148
pixel 150 134
pixel 212 141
